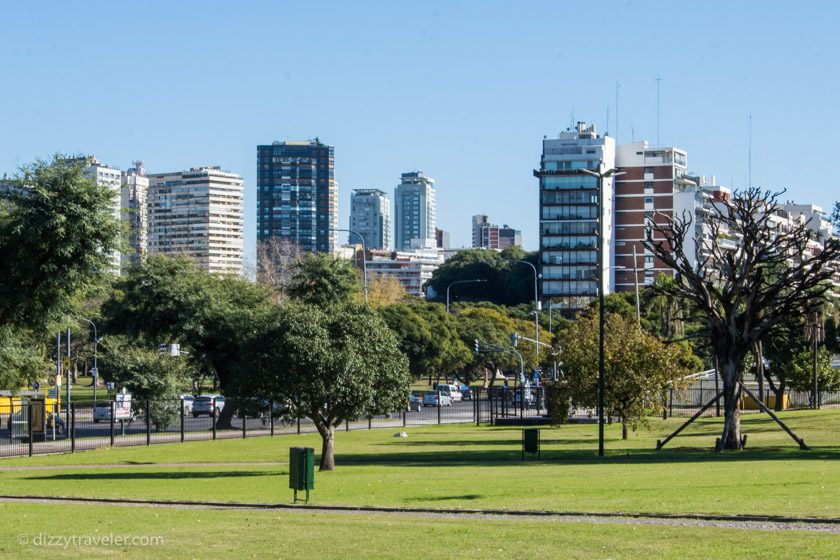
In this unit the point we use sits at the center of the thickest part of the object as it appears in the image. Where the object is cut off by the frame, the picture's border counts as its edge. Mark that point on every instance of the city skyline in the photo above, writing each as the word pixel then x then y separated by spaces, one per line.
pixel 476 130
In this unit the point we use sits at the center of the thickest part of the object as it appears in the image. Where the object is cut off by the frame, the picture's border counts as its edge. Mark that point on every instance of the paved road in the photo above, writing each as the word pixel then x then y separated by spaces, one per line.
pixel 90 435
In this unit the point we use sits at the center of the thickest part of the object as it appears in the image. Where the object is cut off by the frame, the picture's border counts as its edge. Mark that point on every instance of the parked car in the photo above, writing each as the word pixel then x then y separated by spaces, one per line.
pixel 204 405
pixel 102 412
pixel 436 398
pixel 466 393
pixel 452 391
pixel 414 403
pixel 188 403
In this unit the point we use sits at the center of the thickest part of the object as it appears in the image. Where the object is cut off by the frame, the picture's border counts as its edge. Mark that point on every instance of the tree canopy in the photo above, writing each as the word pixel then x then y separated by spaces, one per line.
pixel 333 365
pixel 171 301
pixel 57 234
pixel 507 282
pixel 638 367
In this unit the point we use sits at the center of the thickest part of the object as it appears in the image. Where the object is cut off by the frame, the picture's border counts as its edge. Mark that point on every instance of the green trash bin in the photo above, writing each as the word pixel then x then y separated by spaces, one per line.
pixel 301 469
pixel 531 442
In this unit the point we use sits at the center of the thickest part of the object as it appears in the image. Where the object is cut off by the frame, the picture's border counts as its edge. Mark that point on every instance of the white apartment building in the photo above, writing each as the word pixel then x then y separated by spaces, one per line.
pixel 111 178
pixel 569 217
pixel 370 217
pixel 198 214
pixel 134 202
pixel 412 268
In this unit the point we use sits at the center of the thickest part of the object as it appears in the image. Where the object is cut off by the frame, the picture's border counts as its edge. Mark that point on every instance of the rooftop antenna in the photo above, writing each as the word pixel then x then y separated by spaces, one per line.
pixel 572 120
pixel 658 84
pixel 617 87
pixel 607 126
pixel 749 155
pixel 632 132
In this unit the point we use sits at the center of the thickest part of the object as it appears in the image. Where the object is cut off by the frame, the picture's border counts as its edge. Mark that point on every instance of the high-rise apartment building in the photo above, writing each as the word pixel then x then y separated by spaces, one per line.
pixel 133 199
pixel 645 194
pixel 490 236
pixel 569 217
pixel 509 237
pixel 198 214
pixel 370 217
pixel 414 212
pixel 442 239
pixel 297 195
pixel 110 178
pixel 484 234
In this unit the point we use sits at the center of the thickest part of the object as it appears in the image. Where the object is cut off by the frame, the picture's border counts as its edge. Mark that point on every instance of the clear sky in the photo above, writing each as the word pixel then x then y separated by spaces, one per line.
pixel 463 91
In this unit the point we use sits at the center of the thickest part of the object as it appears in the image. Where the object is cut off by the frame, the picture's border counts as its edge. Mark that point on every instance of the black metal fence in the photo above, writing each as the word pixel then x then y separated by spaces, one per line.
pixel 26 430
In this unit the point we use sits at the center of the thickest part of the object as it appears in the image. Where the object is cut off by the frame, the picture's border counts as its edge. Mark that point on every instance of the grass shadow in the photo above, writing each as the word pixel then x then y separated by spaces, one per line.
pixel 154 475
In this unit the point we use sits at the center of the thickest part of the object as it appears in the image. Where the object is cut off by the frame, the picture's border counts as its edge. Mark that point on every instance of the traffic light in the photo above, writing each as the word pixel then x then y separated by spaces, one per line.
pixel 476 346
pixel 514 339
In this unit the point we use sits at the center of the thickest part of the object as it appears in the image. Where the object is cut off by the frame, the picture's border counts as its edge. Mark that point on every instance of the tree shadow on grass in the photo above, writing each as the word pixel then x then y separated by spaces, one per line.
pixel 154 475
pixel 445 498
pixel 469 456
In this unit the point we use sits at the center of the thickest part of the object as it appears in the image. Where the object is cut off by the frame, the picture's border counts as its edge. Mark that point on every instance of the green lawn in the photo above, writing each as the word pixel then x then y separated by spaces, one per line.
pixel 447 466
pixel 278 534
pixel 469 467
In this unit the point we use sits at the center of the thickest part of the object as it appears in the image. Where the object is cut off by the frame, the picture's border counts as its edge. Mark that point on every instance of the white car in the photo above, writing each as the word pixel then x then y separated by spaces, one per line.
pixel 102 412
pixel 452 391
pixel 204 405
pixel 188 403
pixel 436 398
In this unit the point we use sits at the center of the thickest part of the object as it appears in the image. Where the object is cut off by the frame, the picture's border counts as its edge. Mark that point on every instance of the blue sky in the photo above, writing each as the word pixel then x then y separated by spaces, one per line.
pixel 464 91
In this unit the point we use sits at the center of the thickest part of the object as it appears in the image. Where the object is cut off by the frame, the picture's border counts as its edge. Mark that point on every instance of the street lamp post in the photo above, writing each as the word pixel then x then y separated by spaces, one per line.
pixel 95 342
pixel 477 280
pixel 536 302
pixel 364 260
pixel 601 374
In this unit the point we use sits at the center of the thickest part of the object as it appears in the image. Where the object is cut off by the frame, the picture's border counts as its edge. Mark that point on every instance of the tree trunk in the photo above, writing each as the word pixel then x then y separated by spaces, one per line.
pixel 731 437
pixel 759 364
pixel 223 422
pixel 623 429
pixel 780 397
pixel 327 448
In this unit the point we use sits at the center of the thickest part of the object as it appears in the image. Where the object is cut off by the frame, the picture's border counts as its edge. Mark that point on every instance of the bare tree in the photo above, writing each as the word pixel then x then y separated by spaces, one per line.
pixel 276 259
pixel 750 273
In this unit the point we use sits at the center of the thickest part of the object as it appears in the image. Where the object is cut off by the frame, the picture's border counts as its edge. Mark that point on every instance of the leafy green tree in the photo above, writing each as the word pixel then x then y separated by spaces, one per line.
pixel 802 371
pixel 507 283
pixel 638 368
pixel 171 300
pixel 57 233
pixel 322 280
pixel 23 357
pixel 149 376
pixel 428 337
pixel 491 325
pixel 333 365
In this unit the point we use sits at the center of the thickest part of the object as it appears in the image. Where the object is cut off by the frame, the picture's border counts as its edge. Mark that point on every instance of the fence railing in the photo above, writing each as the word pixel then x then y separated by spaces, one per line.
pixel 30 430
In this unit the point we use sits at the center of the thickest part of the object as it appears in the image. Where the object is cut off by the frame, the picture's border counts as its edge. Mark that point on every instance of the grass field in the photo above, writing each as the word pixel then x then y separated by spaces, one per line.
pixel 458 467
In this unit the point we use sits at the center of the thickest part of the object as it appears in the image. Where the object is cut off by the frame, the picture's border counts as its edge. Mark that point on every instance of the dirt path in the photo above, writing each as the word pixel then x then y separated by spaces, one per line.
pixel 808 525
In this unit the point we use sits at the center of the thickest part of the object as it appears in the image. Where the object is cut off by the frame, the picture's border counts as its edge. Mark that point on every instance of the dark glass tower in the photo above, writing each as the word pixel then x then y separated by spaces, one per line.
pixel 297 196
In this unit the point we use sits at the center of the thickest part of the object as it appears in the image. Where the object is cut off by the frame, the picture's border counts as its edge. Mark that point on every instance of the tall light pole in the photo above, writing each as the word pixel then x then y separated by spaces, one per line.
pixel 477 280
pixel 95 342
pixel 364 260
pixel 536 302
pixel 601 375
